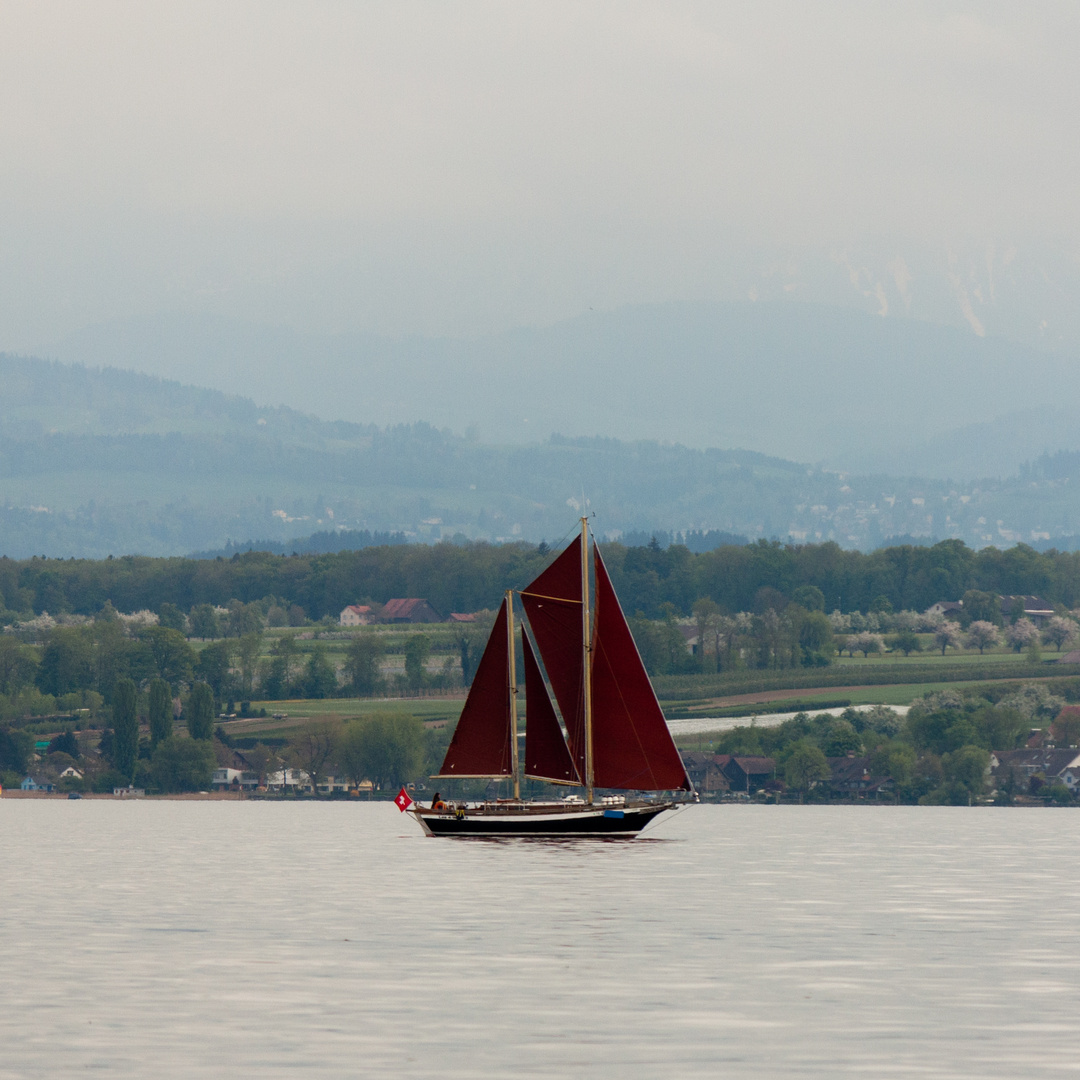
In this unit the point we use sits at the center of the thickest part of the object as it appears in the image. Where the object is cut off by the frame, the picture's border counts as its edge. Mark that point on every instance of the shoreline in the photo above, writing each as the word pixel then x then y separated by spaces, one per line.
pixel 188 796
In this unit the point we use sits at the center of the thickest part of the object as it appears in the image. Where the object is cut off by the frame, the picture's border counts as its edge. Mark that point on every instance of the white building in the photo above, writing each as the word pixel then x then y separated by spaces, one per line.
pixel 240 778
pixel 355 615
pixel 290 778
pixel 334 782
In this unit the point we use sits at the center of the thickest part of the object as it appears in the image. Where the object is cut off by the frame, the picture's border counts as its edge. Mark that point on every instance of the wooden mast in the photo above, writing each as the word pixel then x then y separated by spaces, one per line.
pixel 512 676
pixel 586 639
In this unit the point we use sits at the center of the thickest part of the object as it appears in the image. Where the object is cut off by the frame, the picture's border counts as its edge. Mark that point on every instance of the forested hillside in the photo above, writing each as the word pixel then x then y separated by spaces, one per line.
pixel 806 381
pixel 94 463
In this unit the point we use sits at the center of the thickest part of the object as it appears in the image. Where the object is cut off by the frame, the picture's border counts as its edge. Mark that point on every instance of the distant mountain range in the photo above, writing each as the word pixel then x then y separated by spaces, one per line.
pixel 828 385
pixel 95 462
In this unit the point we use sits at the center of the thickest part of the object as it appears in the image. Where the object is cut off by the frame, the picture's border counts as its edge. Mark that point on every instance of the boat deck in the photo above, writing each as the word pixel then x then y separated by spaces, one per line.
pixel 511 818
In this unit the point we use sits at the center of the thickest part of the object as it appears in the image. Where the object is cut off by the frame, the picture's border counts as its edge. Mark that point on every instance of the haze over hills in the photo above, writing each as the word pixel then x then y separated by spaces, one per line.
pixel 698 243
pixel 835 386
pixel 109 462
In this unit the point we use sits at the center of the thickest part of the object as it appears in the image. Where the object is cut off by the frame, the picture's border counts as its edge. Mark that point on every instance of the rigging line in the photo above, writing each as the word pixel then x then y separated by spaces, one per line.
pixel 555 549
pixel 559 599
pixel 560 544
pixel 675 812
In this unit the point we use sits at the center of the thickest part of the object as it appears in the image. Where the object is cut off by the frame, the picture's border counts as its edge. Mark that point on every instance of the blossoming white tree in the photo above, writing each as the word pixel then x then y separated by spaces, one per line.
pixel 1021 634
pixel 982 634
pixel 946 636
pixel 1058 631
pixel 866 642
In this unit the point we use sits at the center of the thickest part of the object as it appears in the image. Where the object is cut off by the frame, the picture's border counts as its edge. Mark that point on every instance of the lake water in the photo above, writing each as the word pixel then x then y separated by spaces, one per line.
pixel 181 939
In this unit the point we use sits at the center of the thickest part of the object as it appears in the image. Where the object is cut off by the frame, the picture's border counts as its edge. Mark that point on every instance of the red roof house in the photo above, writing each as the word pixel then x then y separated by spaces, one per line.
pixel 411 610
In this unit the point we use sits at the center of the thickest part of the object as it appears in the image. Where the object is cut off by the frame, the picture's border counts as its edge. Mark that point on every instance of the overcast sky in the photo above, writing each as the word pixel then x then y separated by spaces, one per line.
pixel 460 167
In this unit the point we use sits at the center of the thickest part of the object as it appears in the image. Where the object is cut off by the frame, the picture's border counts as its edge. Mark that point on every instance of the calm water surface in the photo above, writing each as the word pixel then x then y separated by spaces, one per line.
pixel 173 939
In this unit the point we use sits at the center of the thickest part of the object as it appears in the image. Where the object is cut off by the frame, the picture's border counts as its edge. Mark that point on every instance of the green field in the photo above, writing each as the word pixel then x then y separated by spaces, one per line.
pixel 953 656
pixel 430 708
pixel 433 710
pixel 294 713
pixel 883 679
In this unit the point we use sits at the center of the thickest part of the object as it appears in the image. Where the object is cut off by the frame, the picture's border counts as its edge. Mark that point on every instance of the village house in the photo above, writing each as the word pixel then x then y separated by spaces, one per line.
pixel 690 637
pixel 748 774
pixel 334 782
pixel 355 615
pixel 851 777
pixel 1062 722
pixel 1028 762
pixel 411 610
pixel 234 780
pixel 30 784
pixel 706 771
pixel 288 778
pixel 1026 766
pixel 950 609
pixel 460 617
pixel 1035 608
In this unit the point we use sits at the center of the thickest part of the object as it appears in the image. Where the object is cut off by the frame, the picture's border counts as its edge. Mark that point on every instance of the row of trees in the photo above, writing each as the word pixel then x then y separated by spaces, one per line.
pixel 790 638
pixel 473 576
pixel 74 660
pixel 980 634
pixel 169 756
pixel 96 657
pixel 91 658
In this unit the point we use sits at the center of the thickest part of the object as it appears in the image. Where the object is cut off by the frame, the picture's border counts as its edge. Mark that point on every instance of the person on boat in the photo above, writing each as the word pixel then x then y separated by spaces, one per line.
pixel 437 803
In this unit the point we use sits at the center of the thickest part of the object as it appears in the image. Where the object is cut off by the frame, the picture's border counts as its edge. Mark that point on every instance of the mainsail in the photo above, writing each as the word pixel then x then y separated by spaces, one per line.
pixel 481 743
pixel 632 747
pixel 553 604
pixel 546 755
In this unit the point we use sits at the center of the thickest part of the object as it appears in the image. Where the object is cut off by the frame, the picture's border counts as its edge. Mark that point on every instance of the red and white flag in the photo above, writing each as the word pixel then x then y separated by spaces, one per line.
pixel 403 800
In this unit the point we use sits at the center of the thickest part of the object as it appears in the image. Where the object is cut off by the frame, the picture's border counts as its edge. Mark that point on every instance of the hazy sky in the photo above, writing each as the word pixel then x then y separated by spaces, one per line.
pixel 459 167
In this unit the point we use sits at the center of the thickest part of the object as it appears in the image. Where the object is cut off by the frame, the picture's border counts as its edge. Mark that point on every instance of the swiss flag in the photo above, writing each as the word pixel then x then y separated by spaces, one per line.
pixel 403 800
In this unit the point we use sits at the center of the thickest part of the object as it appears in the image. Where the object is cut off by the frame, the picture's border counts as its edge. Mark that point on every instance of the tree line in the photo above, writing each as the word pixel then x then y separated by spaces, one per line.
pixel 650 580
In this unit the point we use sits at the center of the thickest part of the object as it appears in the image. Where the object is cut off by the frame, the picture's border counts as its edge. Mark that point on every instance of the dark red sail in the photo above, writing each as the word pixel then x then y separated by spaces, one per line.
pixel 632 747
pixel 553 604
pixel 546 754
pixel 481 742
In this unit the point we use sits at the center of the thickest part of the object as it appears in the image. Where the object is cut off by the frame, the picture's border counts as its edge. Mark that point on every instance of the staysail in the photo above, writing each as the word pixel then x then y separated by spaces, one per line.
pixel 632 747
pixel 546 753
pixel 553 604
pixel 481 743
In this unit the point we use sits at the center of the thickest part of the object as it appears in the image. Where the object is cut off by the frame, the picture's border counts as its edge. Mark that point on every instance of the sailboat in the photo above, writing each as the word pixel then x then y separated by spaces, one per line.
pixel 613 741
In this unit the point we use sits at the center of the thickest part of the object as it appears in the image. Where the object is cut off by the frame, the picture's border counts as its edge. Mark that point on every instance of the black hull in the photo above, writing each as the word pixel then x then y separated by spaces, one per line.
pixel 552 822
